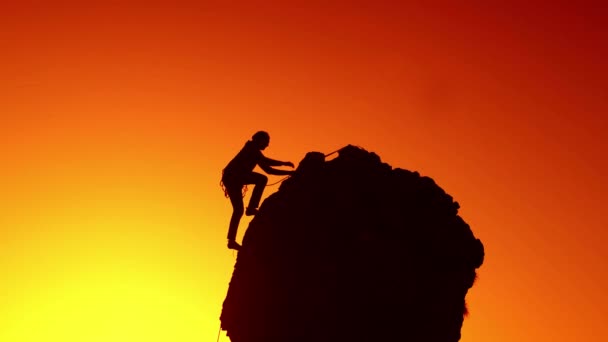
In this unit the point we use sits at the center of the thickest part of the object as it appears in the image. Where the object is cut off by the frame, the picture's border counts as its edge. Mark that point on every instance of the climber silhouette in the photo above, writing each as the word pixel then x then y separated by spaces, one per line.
pixel 239 172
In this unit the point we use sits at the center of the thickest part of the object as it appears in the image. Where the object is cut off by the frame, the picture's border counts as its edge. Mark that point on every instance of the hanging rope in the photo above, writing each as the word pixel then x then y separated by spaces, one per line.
pixel 245 186
pixel 277 182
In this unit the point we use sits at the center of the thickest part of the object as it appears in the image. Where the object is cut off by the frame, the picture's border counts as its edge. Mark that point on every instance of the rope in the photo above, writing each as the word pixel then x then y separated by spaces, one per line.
pixel 329 154
pixel 218 332
pixel 277 182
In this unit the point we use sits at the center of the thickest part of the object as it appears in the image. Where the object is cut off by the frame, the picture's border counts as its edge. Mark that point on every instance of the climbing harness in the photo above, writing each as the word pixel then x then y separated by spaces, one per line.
pixel 223 186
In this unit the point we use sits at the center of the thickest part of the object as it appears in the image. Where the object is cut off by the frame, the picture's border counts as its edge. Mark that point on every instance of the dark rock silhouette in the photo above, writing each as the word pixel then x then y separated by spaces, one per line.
pixel 353 250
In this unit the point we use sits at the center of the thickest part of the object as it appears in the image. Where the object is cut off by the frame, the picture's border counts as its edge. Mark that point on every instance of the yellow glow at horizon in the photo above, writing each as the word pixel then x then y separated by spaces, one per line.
pixel 82 273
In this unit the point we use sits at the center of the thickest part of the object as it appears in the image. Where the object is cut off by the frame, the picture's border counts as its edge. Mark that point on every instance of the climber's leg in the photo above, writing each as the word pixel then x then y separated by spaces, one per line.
pixel 259 181
pixel 236 198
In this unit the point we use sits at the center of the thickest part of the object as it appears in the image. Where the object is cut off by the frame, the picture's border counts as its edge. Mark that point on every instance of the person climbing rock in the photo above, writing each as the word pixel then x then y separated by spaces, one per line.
pixel 239 172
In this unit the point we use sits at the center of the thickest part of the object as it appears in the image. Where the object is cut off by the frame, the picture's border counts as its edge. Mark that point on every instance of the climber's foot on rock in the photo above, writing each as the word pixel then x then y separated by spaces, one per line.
pixel 233 245
pixel 251 211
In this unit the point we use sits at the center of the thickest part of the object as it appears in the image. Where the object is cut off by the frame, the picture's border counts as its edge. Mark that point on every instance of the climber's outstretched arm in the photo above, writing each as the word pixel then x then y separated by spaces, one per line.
pixel 272 171
pixel 267 163
pixel 272 162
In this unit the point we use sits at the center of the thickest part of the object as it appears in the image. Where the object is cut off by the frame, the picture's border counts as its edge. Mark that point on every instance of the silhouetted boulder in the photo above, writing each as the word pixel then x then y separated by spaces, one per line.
pixel 353 250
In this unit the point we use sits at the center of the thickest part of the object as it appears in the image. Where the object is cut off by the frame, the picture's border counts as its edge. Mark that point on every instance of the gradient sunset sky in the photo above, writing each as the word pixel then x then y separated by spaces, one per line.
pixel 117 119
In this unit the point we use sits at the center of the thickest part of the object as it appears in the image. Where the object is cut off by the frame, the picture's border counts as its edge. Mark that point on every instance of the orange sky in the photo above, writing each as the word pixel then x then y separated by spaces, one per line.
pixel 117 120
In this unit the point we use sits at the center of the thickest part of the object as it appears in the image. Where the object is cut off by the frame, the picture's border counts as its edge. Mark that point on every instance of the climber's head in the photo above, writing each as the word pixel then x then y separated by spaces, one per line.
pixel 261 139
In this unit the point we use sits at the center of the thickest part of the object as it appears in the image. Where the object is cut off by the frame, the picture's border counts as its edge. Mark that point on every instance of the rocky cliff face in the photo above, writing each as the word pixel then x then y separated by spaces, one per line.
pixel 353 250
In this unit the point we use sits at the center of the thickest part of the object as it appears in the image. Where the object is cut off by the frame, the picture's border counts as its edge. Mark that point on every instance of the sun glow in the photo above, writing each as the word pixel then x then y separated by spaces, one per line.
pixel 109 282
